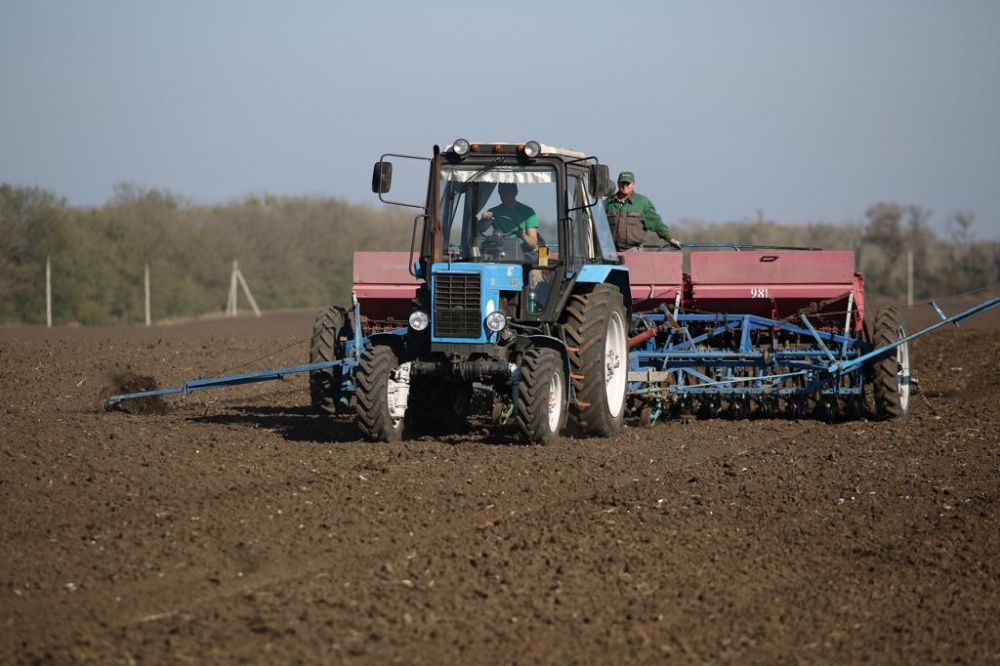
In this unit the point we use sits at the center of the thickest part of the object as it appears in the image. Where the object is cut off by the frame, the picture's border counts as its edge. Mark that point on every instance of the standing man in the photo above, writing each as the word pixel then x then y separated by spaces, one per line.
pixel 631 215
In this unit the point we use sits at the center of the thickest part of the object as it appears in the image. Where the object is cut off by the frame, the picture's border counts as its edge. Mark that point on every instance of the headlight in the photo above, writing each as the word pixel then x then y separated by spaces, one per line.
pixel 496 321
pixel 419 320
pixel 532 149
pixel 460 147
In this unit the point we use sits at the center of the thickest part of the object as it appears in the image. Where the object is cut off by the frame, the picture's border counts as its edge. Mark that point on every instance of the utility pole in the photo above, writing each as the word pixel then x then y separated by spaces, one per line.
pixel 48 291
pixel 235 282
pixel 147 294
pixel 909 278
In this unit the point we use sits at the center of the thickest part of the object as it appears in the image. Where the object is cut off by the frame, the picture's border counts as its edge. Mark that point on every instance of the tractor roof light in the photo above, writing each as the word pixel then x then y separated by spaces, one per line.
pixel 419 320
pixel 496 321
pixel 460 147
pixel 532 149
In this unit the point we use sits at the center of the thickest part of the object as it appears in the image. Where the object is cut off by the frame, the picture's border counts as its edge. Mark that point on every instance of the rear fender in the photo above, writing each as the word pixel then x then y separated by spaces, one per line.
pixel 617 276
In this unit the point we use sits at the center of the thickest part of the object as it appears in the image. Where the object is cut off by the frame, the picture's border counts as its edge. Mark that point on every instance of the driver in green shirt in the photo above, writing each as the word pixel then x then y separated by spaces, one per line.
pixel 512 218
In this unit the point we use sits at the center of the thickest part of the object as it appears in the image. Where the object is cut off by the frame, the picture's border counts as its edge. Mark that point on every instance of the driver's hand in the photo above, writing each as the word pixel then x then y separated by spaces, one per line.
pixel 676 244
pixel 487 216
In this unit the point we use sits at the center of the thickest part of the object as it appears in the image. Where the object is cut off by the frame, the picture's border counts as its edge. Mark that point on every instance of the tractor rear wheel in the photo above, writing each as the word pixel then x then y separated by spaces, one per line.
pixel 380 395
pixel 890 372
pixel 540 402
pixel 597 338
pixel 324 385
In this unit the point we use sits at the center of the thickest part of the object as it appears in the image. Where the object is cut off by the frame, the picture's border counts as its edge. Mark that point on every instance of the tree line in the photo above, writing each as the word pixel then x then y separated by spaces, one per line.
pixel 296 252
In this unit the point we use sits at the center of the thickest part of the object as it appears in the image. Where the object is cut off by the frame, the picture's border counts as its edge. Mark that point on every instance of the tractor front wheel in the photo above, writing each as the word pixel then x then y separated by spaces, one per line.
pixel 540 402
pixel 890 372
pixel 381 391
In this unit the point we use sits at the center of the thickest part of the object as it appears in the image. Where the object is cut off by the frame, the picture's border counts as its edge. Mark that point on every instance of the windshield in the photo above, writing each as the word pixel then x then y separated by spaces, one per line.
pixel 499 212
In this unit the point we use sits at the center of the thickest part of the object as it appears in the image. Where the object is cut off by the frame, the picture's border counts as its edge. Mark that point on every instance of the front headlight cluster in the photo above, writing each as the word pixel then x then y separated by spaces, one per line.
pixel 496 321
pixel 532 149
pixel 419 320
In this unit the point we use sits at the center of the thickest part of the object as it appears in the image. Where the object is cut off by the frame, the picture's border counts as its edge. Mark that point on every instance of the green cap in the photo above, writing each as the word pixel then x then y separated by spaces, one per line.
pixel 626 177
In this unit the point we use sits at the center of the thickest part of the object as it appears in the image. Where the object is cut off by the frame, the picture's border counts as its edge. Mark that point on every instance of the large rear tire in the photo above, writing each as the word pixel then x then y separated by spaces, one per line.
pixel 380 395
pixel 890 372
pixel 325 384
pixel 597 337
pixel 540 402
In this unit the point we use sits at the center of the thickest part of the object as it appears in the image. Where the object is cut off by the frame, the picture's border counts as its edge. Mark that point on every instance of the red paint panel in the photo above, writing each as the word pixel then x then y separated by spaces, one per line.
pixel 656 277
pixel 383 284
pixel 761 267
pixel 805 292
pixel 382 268
pixel 778 283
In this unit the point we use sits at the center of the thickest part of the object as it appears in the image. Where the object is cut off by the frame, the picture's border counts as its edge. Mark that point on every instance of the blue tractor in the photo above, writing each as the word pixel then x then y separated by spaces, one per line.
pixel 533 307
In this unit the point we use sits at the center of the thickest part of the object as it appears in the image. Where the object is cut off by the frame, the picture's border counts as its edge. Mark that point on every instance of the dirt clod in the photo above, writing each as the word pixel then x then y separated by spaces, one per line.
pixel 128 382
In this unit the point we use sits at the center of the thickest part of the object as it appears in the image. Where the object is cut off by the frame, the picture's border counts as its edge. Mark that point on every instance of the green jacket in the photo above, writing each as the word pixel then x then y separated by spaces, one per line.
pixel 631 218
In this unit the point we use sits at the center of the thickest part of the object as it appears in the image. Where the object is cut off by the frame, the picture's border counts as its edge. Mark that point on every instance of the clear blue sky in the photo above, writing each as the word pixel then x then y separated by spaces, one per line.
pixel 804 110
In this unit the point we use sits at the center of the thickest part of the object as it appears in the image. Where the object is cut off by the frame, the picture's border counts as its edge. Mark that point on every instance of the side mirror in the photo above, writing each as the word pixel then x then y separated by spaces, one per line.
pixel 601 184
pixel 382 177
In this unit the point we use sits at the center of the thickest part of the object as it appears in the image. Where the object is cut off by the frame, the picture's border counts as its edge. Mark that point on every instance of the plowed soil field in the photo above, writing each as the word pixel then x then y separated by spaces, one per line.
pixel 236 526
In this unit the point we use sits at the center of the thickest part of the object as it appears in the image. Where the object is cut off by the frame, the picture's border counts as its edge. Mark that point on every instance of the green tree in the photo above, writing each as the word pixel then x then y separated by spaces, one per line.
pixel 31 229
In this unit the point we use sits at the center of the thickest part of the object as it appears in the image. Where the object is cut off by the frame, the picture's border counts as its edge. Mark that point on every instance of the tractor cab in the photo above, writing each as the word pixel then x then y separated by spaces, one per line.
pixel 555 197
pixel 496 207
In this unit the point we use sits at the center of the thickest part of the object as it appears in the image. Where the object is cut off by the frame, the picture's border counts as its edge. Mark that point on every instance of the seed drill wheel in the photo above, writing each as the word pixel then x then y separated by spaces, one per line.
pixel 890 373
pixel 646 416
pixel 324 385
pixel 597 337
pixel 377 395
pixel 540 405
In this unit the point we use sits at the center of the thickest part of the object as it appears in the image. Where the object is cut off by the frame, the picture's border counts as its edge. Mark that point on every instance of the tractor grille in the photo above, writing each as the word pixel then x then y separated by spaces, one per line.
pixel 456 306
